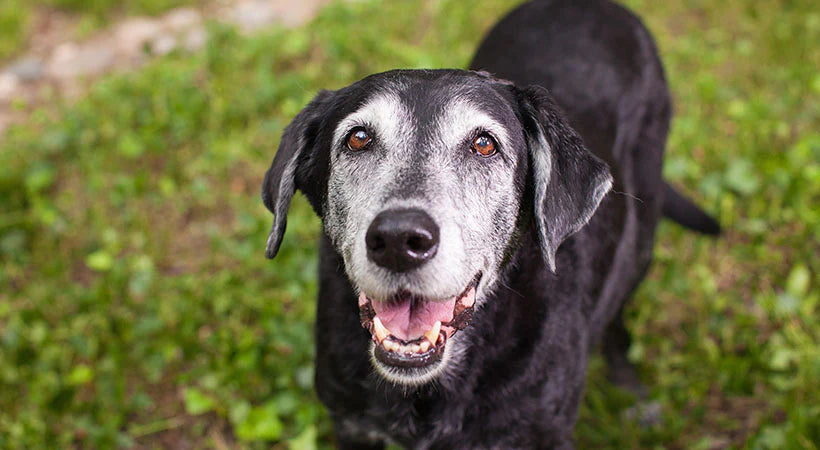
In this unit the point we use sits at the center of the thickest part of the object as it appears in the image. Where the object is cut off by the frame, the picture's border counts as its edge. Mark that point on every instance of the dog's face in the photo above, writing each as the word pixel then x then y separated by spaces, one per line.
pixel 423 179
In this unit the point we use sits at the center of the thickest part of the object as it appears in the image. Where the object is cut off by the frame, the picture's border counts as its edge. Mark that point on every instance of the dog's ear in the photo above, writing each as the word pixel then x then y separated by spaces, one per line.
pixel 569 181
pixel 295 151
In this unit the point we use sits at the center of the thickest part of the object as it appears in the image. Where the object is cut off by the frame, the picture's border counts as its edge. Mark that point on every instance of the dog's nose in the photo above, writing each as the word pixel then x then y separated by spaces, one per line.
pixel 401 239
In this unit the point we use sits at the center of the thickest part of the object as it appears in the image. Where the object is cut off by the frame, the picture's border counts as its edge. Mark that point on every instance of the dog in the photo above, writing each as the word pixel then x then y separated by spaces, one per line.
pixel 483 229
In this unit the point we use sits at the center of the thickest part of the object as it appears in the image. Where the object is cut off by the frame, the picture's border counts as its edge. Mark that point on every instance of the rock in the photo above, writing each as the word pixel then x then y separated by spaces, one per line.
pixel 163 45
pixel 181 19
pixel 291 16
pixel 64 51
pixel 8 86
pixel 70 60
pixel 133 34
pixel 195 39
pixel 253 15
pixel 27 68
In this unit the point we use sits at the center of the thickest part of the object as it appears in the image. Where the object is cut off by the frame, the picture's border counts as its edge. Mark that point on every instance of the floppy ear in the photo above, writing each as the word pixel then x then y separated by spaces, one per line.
pixel 569 181
pixel 295 151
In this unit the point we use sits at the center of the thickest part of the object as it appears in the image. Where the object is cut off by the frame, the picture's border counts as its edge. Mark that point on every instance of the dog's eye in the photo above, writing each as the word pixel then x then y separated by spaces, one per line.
pixel 484 145
pixel 358 139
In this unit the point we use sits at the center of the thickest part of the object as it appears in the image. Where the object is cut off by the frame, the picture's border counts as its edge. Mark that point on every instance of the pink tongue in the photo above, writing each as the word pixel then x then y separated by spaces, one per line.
pixel 409 323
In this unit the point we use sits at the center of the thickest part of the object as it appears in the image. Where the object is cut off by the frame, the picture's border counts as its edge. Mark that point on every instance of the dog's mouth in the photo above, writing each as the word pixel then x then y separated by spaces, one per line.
pixel 411 331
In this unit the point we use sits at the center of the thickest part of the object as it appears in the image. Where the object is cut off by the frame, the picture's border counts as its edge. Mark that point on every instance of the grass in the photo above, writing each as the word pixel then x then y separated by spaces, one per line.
pixel 17 17
pixel 137 309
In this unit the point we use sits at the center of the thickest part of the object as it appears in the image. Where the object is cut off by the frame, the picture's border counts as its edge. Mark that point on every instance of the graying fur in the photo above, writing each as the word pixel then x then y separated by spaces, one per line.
pixel 461 199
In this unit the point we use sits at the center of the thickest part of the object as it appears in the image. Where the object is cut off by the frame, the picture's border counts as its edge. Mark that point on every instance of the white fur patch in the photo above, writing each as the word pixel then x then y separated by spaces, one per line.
pixel 384 115
pixel 461 118
pixel 542 165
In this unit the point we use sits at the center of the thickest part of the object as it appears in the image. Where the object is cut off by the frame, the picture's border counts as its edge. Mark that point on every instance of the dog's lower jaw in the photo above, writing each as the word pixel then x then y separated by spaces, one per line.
pixel 410 377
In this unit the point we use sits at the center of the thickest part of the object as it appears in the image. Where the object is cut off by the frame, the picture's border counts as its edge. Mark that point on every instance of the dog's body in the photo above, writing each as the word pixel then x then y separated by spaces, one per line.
pixel 392 143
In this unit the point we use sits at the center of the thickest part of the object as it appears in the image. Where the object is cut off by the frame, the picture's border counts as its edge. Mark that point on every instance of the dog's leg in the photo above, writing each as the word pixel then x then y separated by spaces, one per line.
pixel 622 373
pixel 615 346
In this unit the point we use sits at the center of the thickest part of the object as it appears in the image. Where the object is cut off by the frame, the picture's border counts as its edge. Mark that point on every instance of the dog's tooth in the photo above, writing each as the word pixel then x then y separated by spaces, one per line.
pixel 415 348
pixel 362 299
pixel 379 329
pixel 432 335
pixel 425 345
pixel 390 346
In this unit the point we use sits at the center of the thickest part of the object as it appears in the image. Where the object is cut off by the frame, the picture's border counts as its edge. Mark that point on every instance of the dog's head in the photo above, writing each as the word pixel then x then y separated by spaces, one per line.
pixel 423 179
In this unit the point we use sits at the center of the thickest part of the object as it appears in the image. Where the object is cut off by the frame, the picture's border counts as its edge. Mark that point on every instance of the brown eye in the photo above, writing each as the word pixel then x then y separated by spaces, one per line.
pixel 484 145
pixel 358 139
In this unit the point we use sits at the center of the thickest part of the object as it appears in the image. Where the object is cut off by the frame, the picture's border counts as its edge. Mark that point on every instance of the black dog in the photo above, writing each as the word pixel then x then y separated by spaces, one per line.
pixel 448 316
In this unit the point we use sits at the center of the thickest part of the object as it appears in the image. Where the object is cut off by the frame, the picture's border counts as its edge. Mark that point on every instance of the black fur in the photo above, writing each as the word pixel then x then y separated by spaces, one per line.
pixel 519 382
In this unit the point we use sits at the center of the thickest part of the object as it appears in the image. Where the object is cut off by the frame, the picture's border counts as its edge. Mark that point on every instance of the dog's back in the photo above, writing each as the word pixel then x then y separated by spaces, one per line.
pixel 600 64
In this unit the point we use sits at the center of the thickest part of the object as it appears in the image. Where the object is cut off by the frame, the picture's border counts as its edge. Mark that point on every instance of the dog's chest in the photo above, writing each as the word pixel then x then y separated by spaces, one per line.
pixel 413 422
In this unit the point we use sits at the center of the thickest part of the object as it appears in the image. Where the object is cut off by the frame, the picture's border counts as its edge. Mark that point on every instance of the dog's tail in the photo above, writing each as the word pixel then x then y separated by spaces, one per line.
pixel 683 211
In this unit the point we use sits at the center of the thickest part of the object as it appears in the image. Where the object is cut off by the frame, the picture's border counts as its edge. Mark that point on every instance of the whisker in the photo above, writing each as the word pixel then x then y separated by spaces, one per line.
pixel 626 194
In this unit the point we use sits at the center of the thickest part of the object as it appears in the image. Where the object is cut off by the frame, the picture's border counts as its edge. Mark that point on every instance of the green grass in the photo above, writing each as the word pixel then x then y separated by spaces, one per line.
pixel 17 16
pixel 14 19
pixel 136 306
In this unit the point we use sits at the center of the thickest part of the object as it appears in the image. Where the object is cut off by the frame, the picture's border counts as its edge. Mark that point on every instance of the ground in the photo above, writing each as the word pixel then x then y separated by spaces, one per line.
pixel 137 308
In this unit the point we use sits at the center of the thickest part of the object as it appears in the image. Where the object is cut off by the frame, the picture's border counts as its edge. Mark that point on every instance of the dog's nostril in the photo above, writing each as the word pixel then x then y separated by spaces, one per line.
pixel 419 243
pixel 402 239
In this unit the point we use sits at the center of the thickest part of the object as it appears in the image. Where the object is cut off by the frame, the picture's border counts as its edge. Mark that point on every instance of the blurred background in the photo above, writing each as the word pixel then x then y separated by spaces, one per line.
pixel 137 309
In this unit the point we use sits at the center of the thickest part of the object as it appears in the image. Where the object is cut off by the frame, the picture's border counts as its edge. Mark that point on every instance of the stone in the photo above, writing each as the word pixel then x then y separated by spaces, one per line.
pixel 133 35
pixel 253 15
pixel 8 86
pixel 181 19
pixel 163 44
pixel 291 16
pixel 195 39
pixel 70 60
pixel 28 68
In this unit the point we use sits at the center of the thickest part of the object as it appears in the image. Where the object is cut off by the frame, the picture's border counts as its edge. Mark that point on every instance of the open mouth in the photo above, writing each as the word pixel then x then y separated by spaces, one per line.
pixel 411 331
